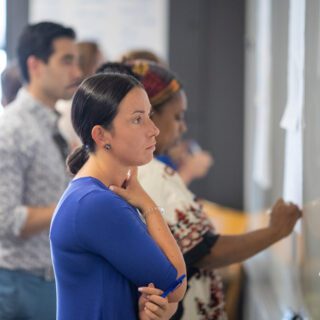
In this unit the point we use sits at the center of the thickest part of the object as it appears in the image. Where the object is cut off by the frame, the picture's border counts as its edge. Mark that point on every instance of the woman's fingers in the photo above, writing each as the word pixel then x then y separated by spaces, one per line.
pixel 150 291
pixel 155 306
pixel 158 300
pixel 132 175
pixel 119 191
pixel 284 217
pixel 133 172
pixel 151 315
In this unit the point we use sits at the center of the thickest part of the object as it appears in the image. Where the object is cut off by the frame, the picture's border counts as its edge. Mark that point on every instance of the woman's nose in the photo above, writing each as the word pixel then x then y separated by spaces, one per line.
pixel 154 129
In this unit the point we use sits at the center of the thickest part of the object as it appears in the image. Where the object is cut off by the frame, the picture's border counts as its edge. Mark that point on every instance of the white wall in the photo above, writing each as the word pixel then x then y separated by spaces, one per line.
pixel 117 25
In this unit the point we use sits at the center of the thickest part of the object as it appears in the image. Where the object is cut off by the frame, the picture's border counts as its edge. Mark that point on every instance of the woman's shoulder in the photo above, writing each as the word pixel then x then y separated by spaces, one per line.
pixel 89 191
pixel 97 205
pixel 99 197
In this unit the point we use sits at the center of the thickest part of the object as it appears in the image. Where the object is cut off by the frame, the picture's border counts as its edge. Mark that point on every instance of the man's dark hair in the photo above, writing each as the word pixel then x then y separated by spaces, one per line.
pixel 37 40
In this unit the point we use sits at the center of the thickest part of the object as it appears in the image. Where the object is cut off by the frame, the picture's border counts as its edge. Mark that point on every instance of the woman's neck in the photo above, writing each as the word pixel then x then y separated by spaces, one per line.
pixel 105 169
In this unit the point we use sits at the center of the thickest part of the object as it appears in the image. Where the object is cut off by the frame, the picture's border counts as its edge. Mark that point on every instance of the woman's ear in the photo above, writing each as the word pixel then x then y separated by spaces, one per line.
pixel 100 136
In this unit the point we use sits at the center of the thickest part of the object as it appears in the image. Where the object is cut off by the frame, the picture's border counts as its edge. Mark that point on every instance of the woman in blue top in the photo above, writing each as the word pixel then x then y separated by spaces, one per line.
pixel 104 250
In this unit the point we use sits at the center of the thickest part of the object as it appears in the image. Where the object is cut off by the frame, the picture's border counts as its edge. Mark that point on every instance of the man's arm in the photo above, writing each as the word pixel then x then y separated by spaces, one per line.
pixel 38 219
pixel 15 217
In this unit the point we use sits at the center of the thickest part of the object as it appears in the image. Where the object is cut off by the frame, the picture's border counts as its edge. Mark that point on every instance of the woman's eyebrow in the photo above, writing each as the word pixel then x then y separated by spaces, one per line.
pixel 142 111
pixel 138 111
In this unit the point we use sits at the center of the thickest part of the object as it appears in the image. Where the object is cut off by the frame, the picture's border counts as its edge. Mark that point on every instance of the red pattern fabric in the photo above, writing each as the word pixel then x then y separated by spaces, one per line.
pixel 188 223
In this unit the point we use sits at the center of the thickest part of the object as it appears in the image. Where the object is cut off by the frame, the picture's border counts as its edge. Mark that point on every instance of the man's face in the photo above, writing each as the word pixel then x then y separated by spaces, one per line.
pixel 59 77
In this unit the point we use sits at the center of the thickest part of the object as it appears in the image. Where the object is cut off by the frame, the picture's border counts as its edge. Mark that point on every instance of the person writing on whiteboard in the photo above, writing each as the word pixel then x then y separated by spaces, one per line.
pixel 103 248
pixel 204 250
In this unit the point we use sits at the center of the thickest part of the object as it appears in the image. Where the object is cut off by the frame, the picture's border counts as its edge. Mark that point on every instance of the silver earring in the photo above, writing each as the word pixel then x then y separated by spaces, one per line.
pixel 107 146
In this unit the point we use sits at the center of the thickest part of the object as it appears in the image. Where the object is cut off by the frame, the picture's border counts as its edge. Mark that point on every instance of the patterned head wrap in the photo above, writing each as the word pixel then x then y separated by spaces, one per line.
pixel 159 82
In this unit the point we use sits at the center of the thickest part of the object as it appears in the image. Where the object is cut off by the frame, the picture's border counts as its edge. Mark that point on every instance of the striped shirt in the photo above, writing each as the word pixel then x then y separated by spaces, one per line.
pixel 32 174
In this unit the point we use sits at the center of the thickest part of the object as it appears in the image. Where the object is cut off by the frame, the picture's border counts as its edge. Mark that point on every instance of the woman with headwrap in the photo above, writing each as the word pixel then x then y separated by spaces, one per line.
pixel 202 247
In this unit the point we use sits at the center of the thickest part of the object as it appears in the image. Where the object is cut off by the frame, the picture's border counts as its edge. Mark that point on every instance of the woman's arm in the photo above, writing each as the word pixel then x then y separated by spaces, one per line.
pixel 232 249
pixel 157 228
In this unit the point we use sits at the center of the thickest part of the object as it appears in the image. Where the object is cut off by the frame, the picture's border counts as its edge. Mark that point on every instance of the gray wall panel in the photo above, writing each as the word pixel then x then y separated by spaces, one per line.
pixel 206 48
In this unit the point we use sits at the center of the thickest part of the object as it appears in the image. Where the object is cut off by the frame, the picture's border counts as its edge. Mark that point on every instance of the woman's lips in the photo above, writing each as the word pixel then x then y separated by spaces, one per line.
pixel 153 146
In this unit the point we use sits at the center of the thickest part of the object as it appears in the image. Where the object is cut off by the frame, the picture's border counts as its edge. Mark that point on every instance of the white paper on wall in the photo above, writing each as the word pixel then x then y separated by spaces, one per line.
pixel 292 120
pixel 262 149
pixel 293 174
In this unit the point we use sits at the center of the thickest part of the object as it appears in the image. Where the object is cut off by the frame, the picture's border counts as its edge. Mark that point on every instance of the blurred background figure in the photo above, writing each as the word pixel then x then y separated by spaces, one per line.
pixel 142 54
pixel 188 158
pixel 90 58
pixel 11 82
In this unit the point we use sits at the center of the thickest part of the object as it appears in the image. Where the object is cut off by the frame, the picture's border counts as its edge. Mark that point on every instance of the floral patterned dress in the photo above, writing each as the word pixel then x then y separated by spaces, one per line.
pixel 195 236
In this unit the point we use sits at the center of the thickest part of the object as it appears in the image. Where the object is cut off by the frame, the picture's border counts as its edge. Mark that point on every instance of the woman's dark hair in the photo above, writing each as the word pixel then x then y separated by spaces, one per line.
pixel 96 102
pixel 116 67
pixel 37 40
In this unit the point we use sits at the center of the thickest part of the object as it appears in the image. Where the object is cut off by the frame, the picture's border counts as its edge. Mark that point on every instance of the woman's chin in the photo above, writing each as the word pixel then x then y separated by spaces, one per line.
pixel 146 160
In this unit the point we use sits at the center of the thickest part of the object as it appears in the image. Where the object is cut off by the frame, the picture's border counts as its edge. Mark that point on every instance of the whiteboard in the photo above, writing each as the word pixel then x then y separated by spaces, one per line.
pixel 116 25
